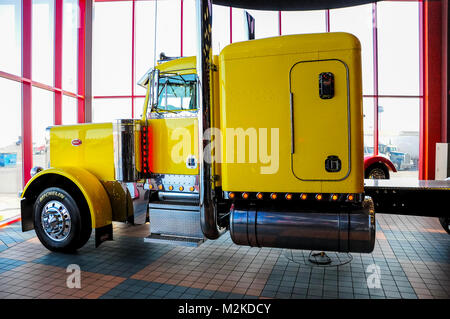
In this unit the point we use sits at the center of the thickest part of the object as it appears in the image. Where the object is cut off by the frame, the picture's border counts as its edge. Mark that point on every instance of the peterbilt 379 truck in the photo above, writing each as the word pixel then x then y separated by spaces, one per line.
pixel 264 140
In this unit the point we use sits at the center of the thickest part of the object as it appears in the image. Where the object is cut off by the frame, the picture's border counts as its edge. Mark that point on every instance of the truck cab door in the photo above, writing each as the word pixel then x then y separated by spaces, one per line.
pixel 320 120
pixel 173 127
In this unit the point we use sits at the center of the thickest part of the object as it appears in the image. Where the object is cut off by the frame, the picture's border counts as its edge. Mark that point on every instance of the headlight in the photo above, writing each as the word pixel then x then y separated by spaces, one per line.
pixel 35 170
pixel 47 147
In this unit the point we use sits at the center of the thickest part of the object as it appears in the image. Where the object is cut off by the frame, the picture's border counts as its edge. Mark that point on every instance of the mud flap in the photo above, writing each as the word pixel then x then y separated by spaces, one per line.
pixel 103 234
pixel 26 214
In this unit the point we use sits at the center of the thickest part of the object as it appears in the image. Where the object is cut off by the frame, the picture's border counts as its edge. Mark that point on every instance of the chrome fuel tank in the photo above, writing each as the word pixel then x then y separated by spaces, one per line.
pixel 351 230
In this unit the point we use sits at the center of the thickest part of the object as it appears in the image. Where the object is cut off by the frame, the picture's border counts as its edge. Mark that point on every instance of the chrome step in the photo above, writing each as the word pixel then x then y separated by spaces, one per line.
pixel 175 223
pixel 174 240
pixel 177 196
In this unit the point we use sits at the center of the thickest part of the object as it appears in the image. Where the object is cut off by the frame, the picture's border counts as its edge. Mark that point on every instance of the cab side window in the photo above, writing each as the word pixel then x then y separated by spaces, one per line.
pixel 177 93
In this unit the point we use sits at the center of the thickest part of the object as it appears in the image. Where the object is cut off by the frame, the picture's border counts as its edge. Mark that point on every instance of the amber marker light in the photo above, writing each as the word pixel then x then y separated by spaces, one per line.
pixel 273 196
pixel 231 195
pixel 334 197
pixel 159 187
pixel 259 196
pixel 319 196
pixel 181 188
pixel 350 197
pixel 288 196
pixel 303 196
pixel 191 188
pixel 150 186
pixel 245 195
pixel 170 188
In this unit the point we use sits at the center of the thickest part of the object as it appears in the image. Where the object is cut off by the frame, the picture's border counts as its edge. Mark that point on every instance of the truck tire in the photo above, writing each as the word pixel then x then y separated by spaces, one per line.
pixel 445 222
pixel 377 171
pixel 58 221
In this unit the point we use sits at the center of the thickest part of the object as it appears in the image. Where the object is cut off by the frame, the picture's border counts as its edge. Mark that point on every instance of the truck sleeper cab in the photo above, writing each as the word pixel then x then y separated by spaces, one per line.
pixel 263 140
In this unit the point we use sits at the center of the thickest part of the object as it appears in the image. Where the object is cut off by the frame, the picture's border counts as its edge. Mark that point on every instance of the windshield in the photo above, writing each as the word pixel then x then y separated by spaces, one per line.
pixel 392 149
pixel 368 150
pixel 177 92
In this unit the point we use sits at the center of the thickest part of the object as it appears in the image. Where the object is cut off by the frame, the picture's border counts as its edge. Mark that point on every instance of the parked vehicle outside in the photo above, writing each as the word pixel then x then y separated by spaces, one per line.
pixel 401 160
pixel 376 166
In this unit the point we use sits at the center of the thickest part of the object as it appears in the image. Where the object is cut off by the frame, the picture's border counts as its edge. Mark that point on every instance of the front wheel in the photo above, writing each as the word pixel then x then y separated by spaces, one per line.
pixel 377 171
pixel 58 221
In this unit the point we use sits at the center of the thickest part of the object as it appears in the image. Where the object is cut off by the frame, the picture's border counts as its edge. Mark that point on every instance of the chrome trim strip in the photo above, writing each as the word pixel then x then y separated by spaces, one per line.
pixel 167 180
pixel 291 101
pixel 342 197
pixel 174 114
pixel 185 197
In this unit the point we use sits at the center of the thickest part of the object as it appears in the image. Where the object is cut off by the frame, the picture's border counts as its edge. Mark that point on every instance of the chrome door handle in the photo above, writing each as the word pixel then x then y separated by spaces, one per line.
pixel 291 100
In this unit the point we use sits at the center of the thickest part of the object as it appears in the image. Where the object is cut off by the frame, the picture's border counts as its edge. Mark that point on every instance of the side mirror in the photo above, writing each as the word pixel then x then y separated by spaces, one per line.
pixel 250 23
pixel 154 87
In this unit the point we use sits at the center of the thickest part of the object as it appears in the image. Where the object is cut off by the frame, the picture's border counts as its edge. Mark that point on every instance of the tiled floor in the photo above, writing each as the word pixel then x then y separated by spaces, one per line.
pixel 412 257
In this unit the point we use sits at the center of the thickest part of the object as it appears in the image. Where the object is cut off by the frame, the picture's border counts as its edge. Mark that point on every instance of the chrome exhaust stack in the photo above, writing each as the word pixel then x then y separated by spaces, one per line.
pixel 341 231
pixel 127 150
pixel 208 208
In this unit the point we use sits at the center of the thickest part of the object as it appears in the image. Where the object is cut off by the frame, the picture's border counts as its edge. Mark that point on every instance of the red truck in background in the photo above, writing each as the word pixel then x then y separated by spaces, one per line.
pixel 377 166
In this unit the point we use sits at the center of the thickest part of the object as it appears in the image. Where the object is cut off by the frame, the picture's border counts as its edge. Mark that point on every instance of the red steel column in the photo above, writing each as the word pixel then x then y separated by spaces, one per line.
pixel 279 23
pixel 327 20
pixel 432 80
pixel 445 75
pixel 422 161
pixel 133 15
pixel 231 24
pixel 81 60
pixel 181 31
pixel 375 78
pixel 27 143
pixel 58 61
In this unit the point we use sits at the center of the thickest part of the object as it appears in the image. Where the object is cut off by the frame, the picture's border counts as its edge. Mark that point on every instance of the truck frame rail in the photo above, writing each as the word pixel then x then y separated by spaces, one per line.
pixel 409 197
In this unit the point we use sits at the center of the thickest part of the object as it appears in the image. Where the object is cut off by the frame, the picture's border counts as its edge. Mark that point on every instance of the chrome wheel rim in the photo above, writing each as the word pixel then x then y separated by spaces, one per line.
pixel 55 220
pixel 377 173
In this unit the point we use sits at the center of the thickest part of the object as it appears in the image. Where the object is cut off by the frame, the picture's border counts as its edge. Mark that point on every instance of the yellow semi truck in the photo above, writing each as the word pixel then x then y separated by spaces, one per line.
pixel 263 140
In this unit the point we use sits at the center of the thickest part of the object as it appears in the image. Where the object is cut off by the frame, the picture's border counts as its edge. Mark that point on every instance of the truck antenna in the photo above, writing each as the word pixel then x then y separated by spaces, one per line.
pixel 156 24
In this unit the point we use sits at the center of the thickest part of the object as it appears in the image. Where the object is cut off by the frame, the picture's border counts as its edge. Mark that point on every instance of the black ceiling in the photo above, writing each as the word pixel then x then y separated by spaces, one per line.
pixel 291 4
